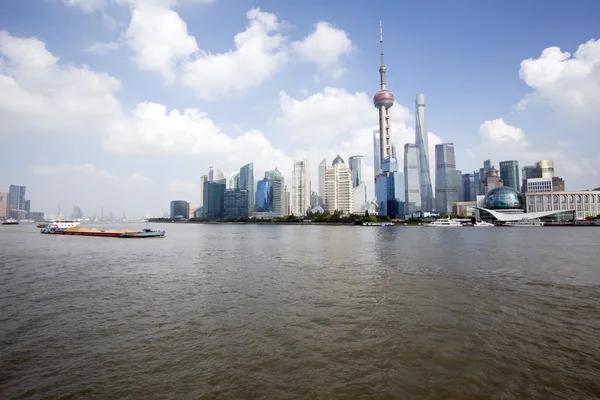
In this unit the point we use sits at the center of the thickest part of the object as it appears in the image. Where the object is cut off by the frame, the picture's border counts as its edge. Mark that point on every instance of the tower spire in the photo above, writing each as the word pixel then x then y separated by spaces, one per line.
pixel 382 66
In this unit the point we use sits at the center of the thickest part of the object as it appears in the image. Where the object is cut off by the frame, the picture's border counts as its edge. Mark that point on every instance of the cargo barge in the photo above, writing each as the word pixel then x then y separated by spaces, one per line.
pixel 54 229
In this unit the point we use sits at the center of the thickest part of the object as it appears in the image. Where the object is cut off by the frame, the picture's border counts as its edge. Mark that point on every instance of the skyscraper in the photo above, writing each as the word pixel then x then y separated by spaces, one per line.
pixel 214 200
pixel 180 209
pixel 355 165
pixel 246 182
pixel 300 196
pixel 235 203
pixel 509 172
pixel 322 169
pixel 16 197
pixel 527 172
pixel 264 196
pixel 278 190
pixel 459 186
pixel 446 186
pixel 3 205
pixel 422 143
pixel 339 195
pixel 203 178
pixel 376 152
pixel 234 180
pixel 469 190
pixel 412 187
pixel 385 188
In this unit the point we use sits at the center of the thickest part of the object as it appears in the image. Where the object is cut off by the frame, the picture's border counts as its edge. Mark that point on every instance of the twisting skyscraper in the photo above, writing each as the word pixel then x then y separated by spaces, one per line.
pixel 422 143
pixel 385 186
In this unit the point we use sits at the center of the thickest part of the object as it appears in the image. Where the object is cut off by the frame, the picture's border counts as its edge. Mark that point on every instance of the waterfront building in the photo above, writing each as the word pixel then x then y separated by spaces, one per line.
pixel 288 201
pixel 422 143
pixel 246 182
pixel 215 175
pixel 492 180
pixel 376 152
pixel 558 185
pixel 235 203
pixel 355 165
pixel 465 208
pixel 539 185
pixel 446 186
pixel 315 199
pixel 300 196
pixel 180 209
pixel 399 189
pixel 278 183
pixel 264 196
pixel 77 213
pixel 203 178
pixel 459 186
pixel 412 186
pixel 321 183
pixel 36 215
pixel 504 204
pixel 234 180
pixel 509 173
pixel 3 205
pixel 214 197
pixel 339 195
pixel 527 172
pixel 469 191
pixel 359 198
pixel 27 206
pixel 544 169
pixel 16 198
pixel 586 203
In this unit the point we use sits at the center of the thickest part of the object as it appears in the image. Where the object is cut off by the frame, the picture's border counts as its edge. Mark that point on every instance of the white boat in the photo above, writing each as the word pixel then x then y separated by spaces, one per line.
pixel 378 224
pixel 10 221
pixel 62 224
pixel 525 222
pixel 445 223
pixel 482 224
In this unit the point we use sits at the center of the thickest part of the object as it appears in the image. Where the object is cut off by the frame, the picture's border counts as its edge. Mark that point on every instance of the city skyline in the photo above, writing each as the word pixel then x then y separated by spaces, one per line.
pixel 133 114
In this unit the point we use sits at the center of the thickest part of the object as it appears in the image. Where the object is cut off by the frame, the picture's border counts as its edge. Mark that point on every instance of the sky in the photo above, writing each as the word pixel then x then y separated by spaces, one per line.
pixel 123 105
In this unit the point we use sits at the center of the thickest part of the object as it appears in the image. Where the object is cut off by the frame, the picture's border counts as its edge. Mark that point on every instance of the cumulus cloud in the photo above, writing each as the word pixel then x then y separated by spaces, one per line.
pixel 498 131
pixel 568 83
pixel 78 170
pixel 325 46
pixel 259 51
pixel 41 95
pixel 102 47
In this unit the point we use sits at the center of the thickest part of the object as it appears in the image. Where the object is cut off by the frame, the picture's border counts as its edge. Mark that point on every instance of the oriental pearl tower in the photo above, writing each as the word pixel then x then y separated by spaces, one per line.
pixel 383 100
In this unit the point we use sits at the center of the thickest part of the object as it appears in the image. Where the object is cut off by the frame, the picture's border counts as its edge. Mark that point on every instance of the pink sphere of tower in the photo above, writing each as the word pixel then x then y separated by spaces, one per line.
pixel 383 98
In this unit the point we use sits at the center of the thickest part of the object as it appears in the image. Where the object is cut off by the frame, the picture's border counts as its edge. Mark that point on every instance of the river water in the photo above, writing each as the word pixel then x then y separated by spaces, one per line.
pixel 310 312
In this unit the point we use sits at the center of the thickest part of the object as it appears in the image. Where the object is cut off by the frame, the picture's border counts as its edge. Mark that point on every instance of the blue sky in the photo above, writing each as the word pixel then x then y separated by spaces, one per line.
pixel 92 124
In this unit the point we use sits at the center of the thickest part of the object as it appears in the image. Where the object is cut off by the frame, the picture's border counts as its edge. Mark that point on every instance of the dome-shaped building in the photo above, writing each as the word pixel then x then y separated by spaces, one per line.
pixel 504 199
pixel 338 160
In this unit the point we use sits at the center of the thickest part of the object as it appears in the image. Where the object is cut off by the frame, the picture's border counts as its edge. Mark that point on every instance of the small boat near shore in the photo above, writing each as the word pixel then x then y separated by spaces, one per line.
pixel 53 229
pixel 378 224
pixel 483 224
pixel 10 221
pixel 444 223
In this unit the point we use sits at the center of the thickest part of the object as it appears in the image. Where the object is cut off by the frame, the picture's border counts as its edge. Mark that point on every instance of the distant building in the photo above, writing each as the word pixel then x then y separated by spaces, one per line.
pixel 539 185
pixel 3 205
pixel 492 180
pixel 355 165
pixel 421 142
pixel 278 188
pixel 322 170
pixel 469 191
pixel 246 182
pixel 466 208
pixel 586 203
pixel 16 198
pixel 264 196
pixel 527 172
pixel 236 203
pixel 339 194
pixel 558 185
pixel 541 169
pixel 180 209
pixel 376 151
pixel 288 201
pixel 300 196
pixel 36 215
pixel 359 198
pixel 234 180
pixel 412 191
pixel 203 178
pixel 27 206
pixel 509 173
pixel 77 213
pixel 459 186
pixel 446 185
pixel 214 197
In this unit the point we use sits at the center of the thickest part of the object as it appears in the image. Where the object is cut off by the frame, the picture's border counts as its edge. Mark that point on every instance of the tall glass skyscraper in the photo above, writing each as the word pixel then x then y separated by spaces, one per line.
pixel 446 185
pixel 300 196
pixel 234 180
pixel 246 182
pixel 180 208
pixel 412 187
pixel 322 171
pixel 355 164
pixel 469 188
pixel 422 143
pixel 214 196
pixel 235 203
pixel 509 173
pixel 264 196
pixel 16 197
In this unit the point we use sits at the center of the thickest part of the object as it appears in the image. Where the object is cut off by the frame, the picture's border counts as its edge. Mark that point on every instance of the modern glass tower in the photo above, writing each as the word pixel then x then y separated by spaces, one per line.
pixel 469 189
pixel 180 208
pixel 322 170
pixel 509 172
pixel 16 197
pixel 214 200
pixel 355 164
pixel 412 188
pixel 376 152
pixel 234 180
pixel 300 196
pixel 246 182
pixel 422 143
pixel 446 185
pixel 264 196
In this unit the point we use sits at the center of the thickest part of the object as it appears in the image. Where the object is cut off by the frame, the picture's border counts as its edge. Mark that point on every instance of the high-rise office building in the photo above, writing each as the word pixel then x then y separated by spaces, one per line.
pixel 422 143
pixel 203 178
pixel 16 197
pixel 376 152
pixel 339 195
pixel 509 172
pixel 412 186
pixel 264 196
pixel 527 172
pixel 77 213
pixel 216 175
pixel 459 186
pixel 544 169
pixel 214 200
pixel 180 209
pixel 469 190
pixel 355 165
pixel 446 185
pixel 288 201
pixel 492 180
pixel 278 191
pixel 234 180
pixel 558 185
pixel 322 169
pixel 300 196
pixel 3 205
pixel 359 198
pixel 246 182
pixel 27 206
pixel 235 203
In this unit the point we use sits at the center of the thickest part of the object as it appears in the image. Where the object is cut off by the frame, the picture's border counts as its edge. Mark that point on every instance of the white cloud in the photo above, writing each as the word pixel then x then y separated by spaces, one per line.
pixel 569 84
pixel 141 178
pixel 259 51
pixel 102 47
pixel 78 170
pixel 41 95
pixel 159 38
pixel 87 6
pixel 325 46
pixel 498 131
pixel 151 129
